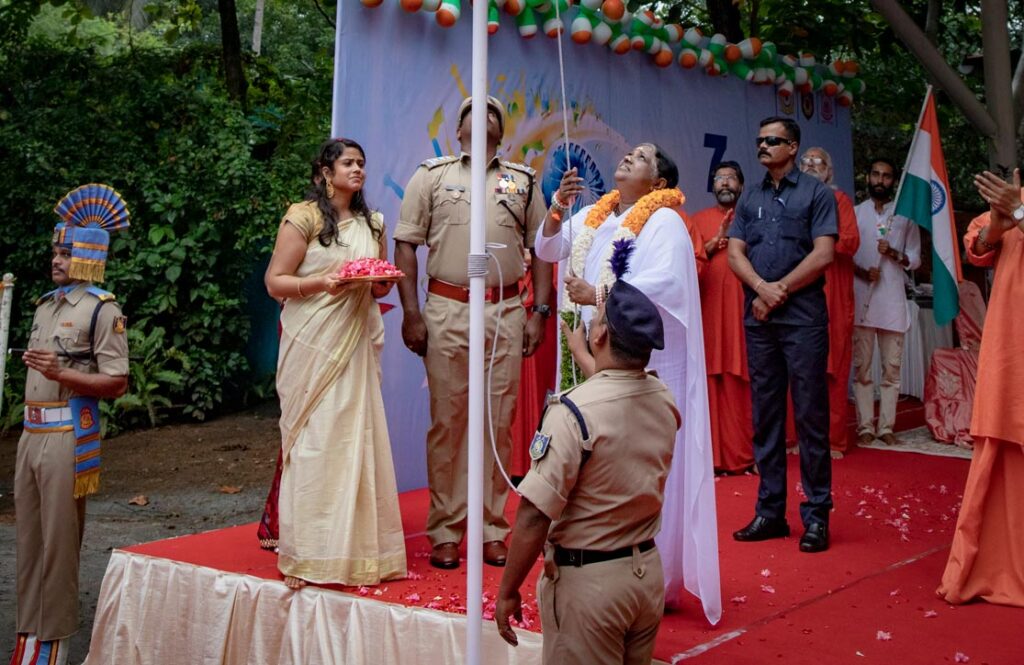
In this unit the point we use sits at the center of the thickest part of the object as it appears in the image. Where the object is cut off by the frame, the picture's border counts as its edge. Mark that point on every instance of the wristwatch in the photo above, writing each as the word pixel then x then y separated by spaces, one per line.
pixel 1018 214
pixel 543 310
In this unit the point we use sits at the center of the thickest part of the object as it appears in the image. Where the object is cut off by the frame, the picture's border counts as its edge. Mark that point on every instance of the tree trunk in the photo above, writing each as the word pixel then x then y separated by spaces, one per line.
pixel 231 45
pixel 995 39
pixel 725 19
pixel 755 20
pixel 257 27
pixel 931 22
pixel 932 61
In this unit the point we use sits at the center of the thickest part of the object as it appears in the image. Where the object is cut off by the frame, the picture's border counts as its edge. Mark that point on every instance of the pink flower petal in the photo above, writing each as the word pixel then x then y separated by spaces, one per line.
pixel 767 588
pixel 413 598
pixel 883 636
pixel 961 658
pixel 766 573
pixel 363 591
pixel 739 600
pixel 894 592
pixel 931 614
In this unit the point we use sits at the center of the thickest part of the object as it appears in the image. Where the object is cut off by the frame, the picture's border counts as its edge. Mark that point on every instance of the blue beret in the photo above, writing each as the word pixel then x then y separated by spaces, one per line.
pixel 634 320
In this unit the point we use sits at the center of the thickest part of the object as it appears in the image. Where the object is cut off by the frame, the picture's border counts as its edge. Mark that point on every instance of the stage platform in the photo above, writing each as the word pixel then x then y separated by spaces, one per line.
pixel 217 598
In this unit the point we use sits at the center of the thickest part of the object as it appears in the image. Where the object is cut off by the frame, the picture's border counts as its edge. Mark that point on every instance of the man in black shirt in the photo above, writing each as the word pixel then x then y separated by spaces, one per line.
pixel 780 242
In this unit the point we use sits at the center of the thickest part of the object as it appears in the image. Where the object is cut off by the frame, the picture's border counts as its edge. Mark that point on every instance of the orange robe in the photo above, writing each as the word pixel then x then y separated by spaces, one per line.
pixel 698 239
pixel 986 560
pixel 725 349
pixel 536 379
pixel 839 301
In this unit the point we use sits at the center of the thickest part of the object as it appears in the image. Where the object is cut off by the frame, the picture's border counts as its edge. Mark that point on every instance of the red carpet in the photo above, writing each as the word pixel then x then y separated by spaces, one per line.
pixel 870 598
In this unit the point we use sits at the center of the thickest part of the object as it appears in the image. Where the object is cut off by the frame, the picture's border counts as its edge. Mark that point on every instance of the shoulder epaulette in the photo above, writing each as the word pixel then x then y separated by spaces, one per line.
pixel 434 162
pixel 46 296
pixel 516 166
pixel 104 296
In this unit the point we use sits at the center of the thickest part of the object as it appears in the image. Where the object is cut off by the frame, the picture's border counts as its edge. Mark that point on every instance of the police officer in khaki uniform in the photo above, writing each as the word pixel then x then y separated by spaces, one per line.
pixel 435 212
pixel 77 353
pixel 594 495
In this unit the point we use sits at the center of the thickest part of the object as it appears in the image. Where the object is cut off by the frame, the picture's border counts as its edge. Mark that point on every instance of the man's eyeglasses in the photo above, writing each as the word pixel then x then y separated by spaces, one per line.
pixel 771 141
pixel 812 161
pixel 725 178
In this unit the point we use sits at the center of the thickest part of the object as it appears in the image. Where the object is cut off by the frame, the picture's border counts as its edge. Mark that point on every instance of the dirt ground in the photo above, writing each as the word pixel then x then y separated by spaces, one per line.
pixel 189 474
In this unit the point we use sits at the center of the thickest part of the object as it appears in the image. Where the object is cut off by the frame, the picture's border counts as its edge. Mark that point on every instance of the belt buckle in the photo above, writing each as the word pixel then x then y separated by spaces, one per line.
pixel 575 558
pixel 35 415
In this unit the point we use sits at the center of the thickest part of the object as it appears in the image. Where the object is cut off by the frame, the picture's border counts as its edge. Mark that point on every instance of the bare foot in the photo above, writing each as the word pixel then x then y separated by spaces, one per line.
pixel 793 450
pixel 295 583
pixel 836 454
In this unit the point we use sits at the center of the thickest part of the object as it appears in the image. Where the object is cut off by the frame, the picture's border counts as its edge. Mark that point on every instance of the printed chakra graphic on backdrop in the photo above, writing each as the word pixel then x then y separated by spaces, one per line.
pixel 581 160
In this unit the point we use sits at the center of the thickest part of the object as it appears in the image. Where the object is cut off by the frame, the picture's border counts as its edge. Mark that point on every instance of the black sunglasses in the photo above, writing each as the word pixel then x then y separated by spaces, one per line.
pixel 771 141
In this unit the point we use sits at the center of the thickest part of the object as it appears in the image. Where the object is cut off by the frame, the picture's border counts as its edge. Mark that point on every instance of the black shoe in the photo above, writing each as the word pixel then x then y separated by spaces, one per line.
pixel 815 538
pixel 762 528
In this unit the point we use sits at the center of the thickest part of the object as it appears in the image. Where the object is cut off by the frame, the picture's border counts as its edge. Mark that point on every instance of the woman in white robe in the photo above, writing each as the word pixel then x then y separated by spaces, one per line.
pixel 662 266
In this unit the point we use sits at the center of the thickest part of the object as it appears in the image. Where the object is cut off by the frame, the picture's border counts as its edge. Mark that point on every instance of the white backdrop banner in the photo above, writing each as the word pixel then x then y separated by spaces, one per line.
pixel 402 78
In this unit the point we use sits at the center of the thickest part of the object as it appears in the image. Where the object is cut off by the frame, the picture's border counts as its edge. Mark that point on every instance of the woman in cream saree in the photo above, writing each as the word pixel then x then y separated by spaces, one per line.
pixel 339 515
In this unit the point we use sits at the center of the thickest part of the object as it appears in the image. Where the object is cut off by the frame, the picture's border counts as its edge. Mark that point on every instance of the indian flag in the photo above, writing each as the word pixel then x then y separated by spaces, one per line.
pixel 924 198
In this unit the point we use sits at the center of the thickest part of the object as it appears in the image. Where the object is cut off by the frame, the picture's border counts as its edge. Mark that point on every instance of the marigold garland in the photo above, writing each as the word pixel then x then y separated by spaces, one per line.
pixel 631 227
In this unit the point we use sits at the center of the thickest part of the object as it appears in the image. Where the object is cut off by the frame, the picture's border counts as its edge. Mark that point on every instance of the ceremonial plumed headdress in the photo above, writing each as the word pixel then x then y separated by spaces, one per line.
pixel 89 214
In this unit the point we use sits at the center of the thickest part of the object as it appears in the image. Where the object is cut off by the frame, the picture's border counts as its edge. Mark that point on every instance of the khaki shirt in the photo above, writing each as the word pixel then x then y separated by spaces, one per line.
pixel 614 499
pixel 62 324
pixel 435 211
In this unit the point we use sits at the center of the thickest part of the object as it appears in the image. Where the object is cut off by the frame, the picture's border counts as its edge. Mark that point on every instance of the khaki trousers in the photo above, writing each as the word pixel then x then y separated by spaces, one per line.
pixel 604 613
pixel 890 346
pixel 49 523
pixel 447 365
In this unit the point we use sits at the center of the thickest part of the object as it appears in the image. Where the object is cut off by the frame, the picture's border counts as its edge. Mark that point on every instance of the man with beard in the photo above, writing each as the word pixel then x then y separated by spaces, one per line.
pixel 725 350
pixel 780 243
pixel 839 298
pixel 889 244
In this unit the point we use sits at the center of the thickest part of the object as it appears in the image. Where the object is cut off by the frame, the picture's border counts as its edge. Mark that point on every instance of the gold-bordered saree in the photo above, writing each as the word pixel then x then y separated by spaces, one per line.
pixel 339 515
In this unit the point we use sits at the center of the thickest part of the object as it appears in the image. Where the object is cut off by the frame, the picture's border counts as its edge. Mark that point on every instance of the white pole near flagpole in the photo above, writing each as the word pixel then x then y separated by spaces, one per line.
pixel 477 282
pixel 336 90
pixel 6 294
pixel 899 188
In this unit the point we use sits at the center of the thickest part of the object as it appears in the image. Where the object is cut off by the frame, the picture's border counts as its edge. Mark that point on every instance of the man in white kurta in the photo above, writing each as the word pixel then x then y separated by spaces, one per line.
pixel 662 267
pixel 889 245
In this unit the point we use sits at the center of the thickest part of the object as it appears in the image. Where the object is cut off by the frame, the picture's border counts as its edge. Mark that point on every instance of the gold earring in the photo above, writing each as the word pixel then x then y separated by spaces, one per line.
pixel 330 189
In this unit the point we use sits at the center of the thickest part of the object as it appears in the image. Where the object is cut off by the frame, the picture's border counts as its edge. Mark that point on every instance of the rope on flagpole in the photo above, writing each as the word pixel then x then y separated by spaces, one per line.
pixel 576 310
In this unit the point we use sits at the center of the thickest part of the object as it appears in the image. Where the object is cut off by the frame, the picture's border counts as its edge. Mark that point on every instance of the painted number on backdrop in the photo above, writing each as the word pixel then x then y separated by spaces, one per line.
pixel 718 143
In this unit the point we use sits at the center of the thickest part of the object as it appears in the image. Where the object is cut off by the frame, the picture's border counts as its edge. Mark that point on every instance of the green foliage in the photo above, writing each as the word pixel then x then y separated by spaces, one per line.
pixel 570 372
pixel 13 411
pixel 206 184
pixel 151 381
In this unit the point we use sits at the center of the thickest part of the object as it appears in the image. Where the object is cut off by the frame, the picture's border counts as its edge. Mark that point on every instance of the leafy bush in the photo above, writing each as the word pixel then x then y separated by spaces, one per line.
pixel 205 181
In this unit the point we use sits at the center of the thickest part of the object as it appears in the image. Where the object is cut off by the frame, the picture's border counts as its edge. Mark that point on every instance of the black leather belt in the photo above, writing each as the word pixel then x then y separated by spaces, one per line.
pixel 567 557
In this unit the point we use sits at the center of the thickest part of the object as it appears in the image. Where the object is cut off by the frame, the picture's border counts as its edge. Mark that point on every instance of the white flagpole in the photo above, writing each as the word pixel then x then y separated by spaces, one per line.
pixel 899 188
pixel 477 282
pixel 336 89
pixel 6 294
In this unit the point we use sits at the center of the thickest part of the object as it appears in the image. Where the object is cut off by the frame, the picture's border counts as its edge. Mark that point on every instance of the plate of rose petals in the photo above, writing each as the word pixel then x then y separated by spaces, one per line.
pixel 369 270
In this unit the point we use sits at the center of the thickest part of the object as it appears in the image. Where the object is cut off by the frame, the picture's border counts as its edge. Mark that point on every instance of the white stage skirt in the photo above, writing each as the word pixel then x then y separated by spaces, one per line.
pixel 161 612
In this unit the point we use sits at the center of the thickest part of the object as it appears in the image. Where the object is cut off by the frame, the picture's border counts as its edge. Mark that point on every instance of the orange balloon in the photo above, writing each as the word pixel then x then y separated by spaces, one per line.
pixel 687 59
pixel 663 58
pixel 412 5
pixel 445 18
pixel 613 9
pixel 373 3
